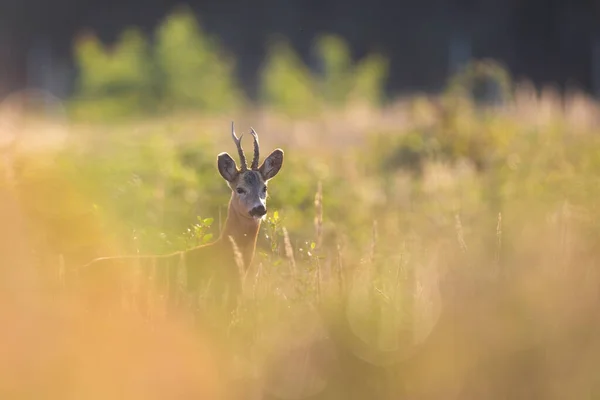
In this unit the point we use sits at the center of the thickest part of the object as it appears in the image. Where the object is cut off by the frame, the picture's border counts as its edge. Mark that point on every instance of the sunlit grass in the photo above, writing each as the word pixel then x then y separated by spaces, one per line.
pixel 431 251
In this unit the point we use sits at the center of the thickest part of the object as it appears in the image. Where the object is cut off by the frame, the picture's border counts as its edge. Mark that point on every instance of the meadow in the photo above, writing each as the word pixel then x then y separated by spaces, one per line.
pixel 427 247
pixel 387 267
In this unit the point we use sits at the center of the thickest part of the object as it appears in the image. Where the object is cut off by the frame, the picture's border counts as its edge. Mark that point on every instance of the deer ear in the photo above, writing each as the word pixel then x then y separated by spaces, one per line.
pixel 272 164
pixel 227 167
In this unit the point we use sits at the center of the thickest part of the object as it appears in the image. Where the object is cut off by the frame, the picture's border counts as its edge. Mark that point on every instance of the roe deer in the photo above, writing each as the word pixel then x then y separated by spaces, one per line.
pixel 214 265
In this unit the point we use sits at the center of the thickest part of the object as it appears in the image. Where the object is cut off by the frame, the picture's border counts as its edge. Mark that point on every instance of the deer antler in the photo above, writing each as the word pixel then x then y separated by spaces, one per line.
pixel 256 149
pixel 238 143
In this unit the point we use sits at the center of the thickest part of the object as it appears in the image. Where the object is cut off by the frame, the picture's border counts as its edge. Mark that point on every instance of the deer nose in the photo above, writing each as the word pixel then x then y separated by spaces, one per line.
pixel 258 211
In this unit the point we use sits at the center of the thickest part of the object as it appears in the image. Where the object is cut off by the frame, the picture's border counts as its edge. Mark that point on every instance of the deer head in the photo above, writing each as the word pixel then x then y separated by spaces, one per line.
pixel 249 185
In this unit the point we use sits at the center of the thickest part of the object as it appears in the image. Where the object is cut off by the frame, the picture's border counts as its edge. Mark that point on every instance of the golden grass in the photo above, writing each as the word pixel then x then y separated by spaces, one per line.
pixel 455 283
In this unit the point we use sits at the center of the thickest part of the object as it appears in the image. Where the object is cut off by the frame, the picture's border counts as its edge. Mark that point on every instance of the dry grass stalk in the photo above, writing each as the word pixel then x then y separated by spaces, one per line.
pixel 178 287
pixel 319 215
pixel 400 272
pixel 460 234
pixel 202 294
pixel 289 251
pixel 374 239
pixel 160 196
pixel 498 238
pixel 340 269
pixel 565 234
pixel 318 278
pixel 257 280
pixel 239 261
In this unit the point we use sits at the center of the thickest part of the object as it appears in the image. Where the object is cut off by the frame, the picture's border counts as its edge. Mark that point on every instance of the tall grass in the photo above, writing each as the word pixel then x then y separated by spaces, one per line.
pixel 433 250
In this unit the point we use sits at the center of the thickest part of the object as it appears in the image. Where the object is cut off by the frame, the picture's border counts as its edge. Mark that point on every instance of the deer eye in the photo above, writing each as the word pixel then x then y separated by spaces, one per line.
pixel 240 191
pixel 265 189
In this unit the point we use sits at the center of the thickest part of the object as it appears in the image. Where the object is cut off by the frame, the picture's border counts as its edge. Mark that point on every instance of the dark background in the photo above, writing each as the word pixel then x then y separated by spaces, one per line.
pixel 545 41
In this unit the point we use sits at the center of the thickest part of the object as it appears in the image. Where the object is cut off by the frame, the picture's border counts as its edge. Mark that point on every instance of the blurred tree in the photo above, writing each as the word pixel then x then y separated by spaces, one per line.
pixel 186 70
pixel 336 79
pixel 113 82
pixel 369 80
pixel 194 73
pixel 342 82
pixel 286 84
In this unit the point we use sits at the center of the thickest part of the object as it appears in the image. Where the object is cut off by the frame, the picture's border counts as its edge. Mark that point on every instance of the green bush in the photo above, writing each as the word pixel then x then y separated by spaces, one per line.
pixel 194 73
pixel 185 70
pixel 368 82
pixel 342 82
pixel 114 82
pixel 336 80
pixel 287 86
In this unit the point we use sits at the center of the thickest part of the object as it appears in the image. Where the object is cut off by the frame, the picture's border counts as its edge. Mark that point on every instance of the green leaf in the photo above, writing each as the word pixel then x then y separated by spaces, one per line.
pixel 263 254
pixel 207 237
pixel 276 216
pixel 208 221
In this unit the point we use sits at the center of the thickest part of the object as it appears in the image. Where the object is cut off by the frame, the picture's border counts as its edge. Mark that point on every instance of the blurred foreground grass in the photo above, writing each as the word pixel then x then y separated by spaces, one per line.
pixel 429 249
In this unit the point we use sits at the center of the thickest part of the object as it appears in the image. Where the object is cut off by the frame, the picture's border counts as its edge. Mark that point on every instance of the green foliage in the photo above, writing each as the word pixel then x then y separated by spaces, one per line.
pixel 337 73
pixel 289 87
pixel 186 69
pixel 154 189
pixel 369 80
pixel 114 82
pixel 194 73
pixel 458 132
pixel 274 232
pixel 198 233
pixel 342 82
pixel 286 84
pixel 391 151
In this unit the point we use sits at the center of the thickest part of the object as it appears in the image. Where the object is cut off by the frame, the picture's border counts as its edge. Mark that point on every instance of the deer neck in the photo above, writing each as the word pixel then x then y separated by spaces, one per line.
pixel 244 231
